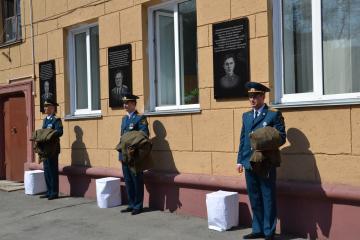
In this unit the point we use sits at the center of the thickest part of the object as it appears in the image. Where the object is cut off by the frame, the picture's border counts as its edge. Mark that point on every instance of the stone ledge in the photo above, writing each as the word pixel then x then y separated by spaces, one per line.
pixel 300 189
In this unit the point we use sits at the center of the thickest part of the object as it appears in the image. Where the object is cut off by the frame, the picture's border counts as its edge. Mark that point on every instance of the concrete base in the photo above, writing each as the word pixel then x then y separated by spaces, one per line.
pixel 319 218
pixel 304 210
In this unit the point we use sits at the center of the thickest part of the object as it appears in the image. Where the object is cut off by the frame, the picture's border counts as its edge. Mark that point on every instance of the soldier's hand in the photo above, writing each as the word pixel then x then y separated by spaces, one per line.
pixel 239 168
pixel 131 151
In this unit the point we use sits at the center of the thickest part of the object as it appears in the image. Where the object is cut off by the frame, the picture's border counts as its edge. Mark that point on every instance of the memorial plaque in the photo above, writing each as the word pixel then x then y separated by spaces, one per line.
pixel 120 74
pixel 231 58
pixel 47 82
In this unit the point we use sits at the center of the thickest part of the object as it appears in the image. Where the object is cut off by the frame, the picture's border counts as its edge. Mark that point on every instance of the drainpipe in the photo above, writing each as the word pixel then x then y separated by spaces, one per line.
pixel 33 47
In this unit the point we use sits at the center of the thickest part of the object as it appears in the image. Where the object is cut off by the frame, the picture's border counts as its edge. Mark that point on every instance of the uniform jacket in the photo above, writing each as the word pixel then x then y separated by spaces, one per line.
pixel 135 147
pixel 265 142
pixel 54 123
pixel 45 143
pixel 44 135
pixel 136 122
pixel 117 93
pixel 268 117
pixel 230 81
pixel 46 96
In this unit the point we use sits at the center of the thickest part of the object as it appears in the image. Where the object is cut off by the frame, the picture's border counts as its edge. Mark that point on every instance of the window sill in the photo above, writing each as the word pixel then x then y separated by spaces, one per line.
pixel 6 44
pixel 172 112
pixel 323 103
pixel 83 116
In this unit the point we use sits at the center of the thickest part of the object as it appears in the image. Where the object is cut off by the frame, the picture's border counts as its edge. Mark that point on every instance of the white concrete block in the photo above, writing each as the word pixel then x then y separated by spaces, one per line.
pixel 34 182
pixel 108 192
pixel 222 210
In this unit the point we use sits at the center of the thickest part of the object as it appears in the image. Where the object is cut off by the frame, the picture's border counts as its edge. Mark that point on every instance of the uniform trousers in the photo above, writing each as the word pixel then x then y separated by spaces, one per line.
pixel 134 187
pixel 262 195
pixel 51 173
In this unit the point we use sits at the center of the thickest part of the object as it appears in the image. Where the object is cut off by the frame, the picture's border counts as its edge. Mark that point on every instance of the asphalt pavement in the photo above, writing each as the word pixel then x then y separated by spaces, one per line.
pixel 31 218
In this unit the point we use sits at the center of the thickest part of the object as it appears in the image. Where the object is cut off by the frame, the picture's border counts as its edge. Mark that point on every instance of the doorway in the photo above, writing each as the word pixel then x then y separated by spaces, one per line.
pixel 14 137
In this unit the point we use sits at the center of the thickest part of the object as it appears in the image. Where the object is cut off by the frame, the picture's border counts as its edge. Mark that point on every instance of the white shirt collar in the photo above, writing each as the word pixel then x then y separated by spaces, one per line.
pixel 259 110
pixel 130 114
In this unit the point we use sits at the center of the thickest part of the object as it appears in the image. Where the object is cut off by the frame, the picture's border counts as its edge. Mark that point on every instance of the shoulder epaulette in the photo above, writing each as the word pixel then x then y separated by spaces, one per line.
pixel 273 109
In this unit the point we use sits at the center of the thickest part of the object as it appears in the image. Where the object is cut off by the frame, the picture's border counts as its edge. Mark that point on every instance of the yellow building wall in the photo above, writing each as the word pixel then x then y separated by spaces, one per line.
pixel 322 142
pixel 16 60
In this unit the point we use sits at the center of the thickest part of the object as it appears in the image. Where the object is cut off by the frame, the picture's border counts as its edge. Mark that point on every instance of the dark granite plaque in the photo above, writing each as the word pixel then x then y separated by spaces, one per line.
pixel 231 58
pixel 47 75
pixel 120 74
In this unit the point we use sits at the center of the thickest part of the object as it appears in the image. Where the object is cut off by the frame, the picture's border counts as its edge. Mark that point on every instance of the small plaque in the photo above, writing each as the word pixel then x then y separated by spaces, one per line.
pixel 231 58
pixel 120 74
pixel 47 75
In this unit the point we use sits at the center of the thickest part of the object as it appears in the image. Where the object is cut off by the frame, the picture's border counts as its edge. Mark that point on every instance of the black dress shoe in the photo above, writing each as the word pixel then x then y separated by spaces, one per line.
pixel 129 209
pixel 254 236
pixel 136 211
pixel 53 197
pixel 44 196
pixel 270 237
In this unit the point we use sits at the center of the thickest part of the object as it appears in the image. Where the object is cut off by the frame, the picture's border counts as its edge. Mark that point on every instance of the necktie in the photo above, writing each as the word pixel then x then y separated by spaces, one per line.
pixel 256 114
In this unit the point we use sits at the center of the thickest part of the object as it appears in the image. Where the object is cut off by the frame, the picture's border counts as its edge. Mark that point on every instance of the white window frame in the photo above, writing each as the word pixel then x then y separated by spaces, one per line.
pixel 72 70
pixel 152 60
pixel 317 95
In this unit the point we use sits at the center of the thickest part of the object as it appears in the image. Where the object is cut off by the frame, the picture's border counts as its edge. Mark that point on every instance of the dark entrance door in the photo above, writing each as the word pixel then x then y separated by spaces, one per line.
pixel 15 142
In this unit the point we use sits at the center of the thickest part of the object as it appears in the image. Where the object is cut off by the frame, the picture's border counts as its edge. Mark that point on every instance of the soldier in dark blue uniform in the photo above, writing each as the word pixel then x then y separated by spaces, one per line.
pixel 134 182
pixel 51 164
pixel 261 190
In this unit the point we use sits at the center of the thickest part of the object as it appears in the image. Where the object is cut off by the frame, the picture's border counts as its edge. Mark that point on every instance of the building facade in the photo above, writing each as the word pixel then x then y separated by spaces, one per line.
pixel 307 52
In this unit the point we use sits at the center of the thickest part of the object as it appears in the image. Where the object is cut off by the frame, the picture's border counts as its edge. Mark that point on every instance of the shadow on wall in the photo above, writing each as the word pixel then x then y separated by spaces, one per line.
pixel 308 219
pixel 79 157
pixel 163 196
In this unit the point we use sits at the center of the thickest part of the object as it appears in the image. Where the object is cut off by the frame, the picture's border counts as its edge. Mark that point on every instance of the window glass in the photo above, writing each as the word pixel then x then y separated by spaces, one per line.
pixel 81 71
pixel 11 21
pixel 9 8
pixel 316 51
pixel 188 58
pixel 165 59
pixel 95 73
pixel 19 33
pixel 297 40
pixel 341 46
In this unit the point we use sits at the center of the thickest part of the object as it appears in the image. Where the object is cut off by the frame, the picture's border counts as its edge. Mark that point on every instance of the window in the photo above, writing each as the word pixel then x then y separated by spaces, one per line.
pixel 10 26
pixel 317 50
pixel 84 70
pixel 173 56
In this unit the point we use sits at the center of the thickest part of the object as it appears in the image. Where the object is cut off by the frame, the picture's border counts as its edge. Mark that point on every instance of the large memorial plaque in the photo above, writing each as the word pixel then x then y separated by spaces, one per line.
pixel 47 82
pixel 120 74
pixel 231 58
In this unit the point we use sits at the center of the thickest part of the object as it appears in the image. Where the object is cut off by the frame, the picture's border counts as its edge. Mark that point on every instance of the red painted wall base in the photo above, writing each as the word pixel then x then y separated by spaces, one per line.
pixel 304 210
